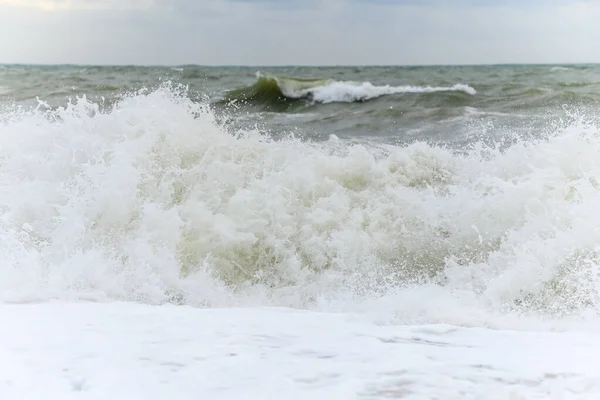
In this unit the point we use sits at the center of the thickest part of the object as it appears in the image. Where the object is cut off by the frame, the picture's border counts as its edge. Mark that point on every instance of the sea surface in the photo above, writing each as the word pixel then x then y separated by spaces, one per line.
pixel 396 105
pixel 404 224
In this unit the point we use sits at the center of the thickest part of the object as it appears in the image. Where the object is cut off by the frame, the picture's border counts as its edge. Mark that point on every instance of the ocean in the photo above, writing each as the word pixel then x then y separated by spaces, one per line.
pixel 300 232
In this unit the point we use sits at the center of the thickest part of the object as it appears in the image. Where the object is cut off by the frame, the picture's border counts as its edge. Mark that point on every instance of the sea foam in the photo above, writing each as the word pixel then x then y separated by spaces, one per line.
pixel 153 201
pixel 349 92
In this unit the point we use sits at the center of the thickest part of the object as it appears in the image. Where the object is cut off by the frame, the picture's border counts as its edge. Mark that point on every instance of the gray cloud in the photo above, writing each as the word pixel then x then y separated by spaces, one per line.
pixel 261 32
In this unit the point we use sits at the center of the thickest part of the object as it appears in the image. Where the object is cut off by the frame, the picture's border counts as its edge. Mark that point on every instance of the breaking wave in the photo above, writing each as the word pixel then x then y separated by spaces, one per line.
pixel 277 90
pixel 153 201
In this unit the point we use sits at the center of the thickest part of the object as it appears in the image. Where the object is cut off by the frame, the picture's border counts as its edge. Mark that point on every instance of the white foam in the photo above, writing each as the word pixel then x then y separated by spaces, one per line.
pixel 349 92
pixel 127 351
pixel 557 69
pixel 153 202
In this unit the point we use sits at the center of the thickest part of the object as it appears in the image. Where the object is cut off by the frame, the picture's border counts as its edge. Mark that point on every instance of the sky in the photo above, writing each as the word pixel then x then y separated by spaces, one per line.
pixel 299 32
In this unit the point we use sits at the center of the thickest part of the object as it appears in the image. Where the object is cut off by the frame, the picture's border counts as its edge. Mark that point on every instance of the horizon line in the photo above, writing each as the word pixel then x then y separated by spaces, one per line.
pixel 293 65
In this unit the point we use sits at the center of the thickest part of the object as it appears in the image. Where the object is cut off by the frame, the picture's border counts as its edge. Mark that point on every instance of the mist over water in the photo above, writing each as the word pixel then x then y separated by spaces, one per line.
pixel 481 202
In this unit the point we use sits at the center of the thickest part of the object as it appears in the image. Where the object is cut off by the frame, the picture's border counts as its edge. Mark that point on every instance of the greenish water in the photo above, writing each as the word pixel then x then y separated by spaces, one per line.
pixel 455 104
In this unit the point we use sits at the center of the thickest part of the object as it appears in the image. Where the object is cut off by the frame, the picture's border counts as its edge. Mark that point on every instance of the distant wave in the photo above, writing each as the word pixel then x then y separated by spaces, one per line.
pixel 273 89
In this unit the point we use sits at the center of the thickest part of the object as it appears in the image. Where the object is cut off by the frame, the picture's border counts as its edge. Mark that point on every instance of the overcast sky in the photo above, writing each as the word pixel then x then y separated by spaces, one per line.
pixel 314 32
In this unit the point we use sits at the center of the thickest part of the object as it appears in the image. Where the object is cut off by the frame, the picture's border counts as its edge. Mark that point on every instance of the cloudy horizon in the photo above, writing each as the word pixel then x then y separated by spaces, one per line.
pixel 307 32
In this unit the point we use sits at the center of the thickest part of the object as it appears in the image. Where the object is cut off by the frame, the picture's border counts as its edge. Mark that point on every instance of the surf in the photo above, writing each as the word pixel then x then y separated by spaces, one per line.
pixel 280 92
pixel 152 200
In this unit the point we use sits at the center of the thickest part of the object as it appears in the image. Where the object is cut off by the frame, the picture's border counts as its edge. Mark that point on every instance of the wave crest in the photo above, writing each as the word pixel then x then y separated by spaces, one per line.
pixel 273 90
